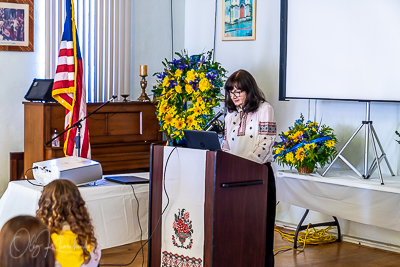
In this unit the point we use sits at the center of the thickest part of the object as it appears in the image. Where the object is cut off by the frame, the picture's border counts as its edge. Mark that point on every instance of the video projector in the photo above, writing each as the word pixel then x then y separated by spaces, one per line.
pixel 77 170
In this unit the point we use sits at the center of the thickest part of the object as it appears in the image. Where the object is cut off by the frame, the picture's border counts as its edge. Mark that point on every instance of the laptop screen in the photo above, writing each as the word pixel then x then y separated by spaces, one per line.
pixel 202 140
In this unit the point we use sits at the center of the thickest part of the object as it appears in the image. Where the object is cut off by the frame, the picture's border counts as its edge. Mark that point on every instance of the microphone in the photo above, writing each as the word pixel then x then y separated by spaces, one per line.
pixel 219 114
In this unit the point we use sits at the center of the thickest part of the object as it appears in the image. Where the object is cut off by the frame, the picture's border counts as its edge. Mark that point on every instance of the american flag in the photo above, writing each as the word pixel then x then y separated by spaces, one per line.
pixel 68 86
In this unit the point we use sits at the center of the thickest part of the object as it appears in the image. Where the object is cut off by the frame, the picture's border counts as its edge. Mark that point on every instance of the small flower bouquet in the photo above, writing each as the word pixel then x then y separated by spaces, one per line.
pixel 304 145
pixel 187 91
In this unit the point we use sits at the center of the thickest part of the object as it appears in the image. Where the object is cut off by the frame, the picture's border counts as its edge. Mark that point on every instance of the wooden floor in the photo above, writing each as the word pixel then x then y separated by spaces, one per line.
pixel 336 254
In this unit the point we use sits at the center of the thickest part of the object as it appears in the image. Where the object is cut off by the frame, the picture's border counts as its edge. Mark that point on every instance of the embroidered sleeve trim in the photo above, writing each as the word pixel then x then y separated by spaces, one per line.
pixel 267 128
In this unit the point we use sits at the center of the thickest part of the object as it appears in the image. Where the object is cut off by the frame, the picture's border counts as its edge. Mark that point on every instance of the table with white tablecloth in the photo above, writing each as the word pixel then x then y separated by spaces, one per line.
pixel 112 207
pixel 343 194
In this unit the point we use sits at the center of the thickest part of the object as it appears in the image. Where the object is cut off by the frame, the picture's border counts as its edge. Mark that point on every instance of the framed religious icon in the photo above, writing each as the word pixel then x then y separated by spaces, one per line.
pixel 16 25
pixel 238 20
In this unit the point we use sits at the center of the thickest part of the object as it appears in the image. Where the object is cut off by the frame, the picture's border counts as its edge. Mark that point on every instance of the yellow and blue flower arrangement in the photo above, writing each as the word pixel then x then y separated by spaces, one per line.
pixel 187 91
pixel 306 144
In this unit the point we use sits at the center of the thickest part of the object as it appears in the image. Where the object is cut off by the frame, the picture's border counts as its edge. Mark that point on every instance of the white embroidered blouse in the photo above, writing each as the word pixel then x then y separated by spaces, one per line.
pixel 251 135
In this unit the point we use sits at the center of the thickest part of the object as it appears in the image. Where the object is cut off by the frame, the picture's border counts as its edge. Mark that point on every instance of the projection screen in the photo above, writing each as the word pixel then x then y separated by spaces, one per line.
pixel 340 50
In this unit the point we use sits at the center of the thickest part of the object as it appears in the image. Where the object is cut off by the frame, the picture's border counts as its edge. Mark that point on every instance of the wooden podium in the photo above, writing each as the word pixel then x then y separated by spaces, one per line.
pixel 235 209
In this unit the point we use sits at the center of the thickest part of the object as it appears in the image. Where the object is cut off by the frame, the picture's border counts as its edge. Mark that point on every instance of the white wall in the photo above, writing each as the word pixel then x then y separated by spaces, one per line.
pixel 17 71
pixel 151 38
pixel 261 58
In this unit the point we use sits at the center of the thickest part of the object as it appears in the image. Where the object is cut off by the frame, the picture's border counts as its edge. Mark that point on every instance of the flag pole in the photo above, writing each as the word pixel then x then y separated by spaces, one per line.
pixel 78 125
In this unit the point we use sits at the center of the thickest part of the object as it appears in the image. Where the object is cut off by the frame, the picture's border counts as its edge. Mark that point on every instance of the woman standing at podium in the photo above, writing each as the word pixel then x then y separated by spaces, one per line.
pixel 250 132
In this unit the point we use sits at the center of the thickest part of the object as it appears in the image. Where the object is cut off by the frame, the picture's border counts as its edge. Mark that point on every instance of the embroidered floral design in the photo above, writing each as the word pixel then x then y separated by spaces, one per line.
pixel 174 260
pixel 183 230
pixel 268 128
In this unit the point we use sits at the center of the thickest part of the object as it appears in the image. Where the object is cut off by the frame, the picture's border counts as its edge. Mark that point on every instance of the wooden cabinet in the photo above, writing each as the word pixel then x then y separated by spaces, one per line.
pixel 120 134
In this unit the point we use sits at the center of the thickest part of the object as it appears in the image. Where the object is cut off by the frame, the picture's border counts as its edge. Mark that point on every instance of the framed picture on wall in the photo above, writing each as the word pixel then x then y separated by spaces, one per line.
pixel 238 20
pixel 16 25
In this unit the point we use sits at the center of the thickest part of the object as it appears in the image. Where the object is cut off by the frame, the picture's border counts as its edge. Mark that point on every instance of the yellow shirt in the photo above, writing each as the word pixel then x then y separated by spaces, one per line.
pixel 67 250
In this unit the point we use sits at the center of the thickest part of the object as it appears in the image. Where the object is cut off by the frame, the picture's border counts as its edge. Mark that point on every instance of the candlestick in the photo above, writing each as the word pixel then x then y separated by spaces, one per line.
pixel 143 83
pixel 143 70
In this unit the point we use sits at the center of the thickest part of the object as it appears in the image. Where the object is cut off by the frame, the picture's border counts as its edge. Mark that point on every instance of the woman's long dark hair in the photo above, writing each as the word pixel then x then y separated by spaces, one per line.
pixel 243 81
pixel 26 242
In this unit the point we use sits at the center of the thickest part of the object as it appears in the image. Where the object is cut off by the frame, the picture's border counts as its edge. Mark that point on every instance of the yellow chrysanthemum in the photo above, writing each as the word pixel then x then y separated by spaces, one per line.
pixel 297 135
pixel 287 133
pixel 329 143
pixel 306 128
pixel 172 111
pixel 179 124
pixel 165 82
pixel 189 89
pixel 300 154
pixel 169 119
pixel 178 73
pixel 190 75
pixel 190 120
pixel 289 157
pixel 310 146
pixel 197 111
pixel 314 129
pixel 204 84
pixel 163 109
pixel 178 89
pixel 200 100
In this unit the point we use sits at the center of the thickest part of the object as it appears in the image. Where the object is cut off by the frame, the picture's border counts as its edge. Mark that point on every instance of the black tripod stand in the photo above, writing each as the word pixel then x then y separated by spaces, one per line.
pixel 78 125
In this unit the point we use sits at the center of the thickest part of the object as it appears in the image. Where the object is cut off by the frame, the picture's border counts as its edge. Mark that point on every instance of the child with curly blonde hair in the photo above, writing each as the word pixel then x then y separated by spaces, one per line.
pixel 63 211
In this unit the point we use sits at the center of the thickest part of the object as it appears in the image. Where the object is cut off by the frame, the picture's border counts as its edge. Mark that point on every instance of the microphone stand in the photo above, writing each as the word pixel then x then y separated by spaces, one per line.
pixel 210 124
pixel 79 126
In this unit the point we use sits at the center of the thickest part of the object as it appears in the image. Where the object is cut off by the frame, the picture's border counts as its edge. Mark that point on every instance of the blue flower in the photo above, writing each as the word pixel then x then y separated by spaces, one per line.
pixel 298 122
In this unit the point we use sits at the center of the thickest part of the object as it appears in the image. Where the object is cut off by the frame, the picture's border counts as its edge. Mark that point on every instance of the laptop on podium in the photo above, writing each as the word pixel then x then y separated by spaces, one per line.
pixel 202 140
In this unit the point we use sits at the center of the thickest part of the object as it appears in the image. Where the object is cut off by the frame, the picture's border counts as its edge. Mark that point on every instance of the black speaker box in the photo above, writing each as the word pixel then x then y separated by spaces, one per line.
pixel 40 90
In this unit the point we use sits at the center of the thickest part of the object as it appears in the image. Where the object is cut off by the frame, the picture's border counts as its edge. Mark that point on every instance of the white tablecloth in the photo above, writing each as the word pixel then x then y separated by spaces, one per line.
pixel 112 207
pixel 343 194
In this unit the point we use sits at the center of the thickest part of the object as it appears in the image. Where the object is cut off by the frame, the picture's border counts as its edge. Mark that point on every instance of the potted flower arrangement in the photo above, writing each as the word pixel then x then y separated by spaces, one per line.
pixel 304 145
pixel 187 91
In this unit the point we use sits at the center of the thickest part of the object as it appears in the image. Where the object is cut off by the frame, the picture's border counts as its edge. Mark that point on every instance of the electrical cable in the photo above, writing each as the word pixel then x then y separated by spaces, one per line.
pixel 172 33
pixel 140 226
pixel 155 228
pixel 309 237
pixel 26 178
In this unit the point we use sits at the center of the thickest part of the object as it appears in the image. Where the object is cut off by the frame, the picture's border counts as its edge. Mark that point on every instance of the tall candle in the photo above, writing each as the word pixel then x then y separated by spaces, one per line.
pixel 143 70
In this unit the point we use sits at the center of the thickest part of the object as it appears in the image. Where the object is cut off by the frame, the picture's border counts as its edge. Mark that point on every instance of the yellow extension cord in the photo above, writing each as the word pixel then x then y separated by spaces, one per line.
pixel 309 237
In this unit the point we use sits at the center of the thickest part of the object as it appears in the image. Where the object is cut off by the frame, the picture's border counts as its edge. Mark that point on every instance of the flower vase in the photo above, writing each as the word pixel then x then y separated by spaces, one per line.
pixel 304 169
